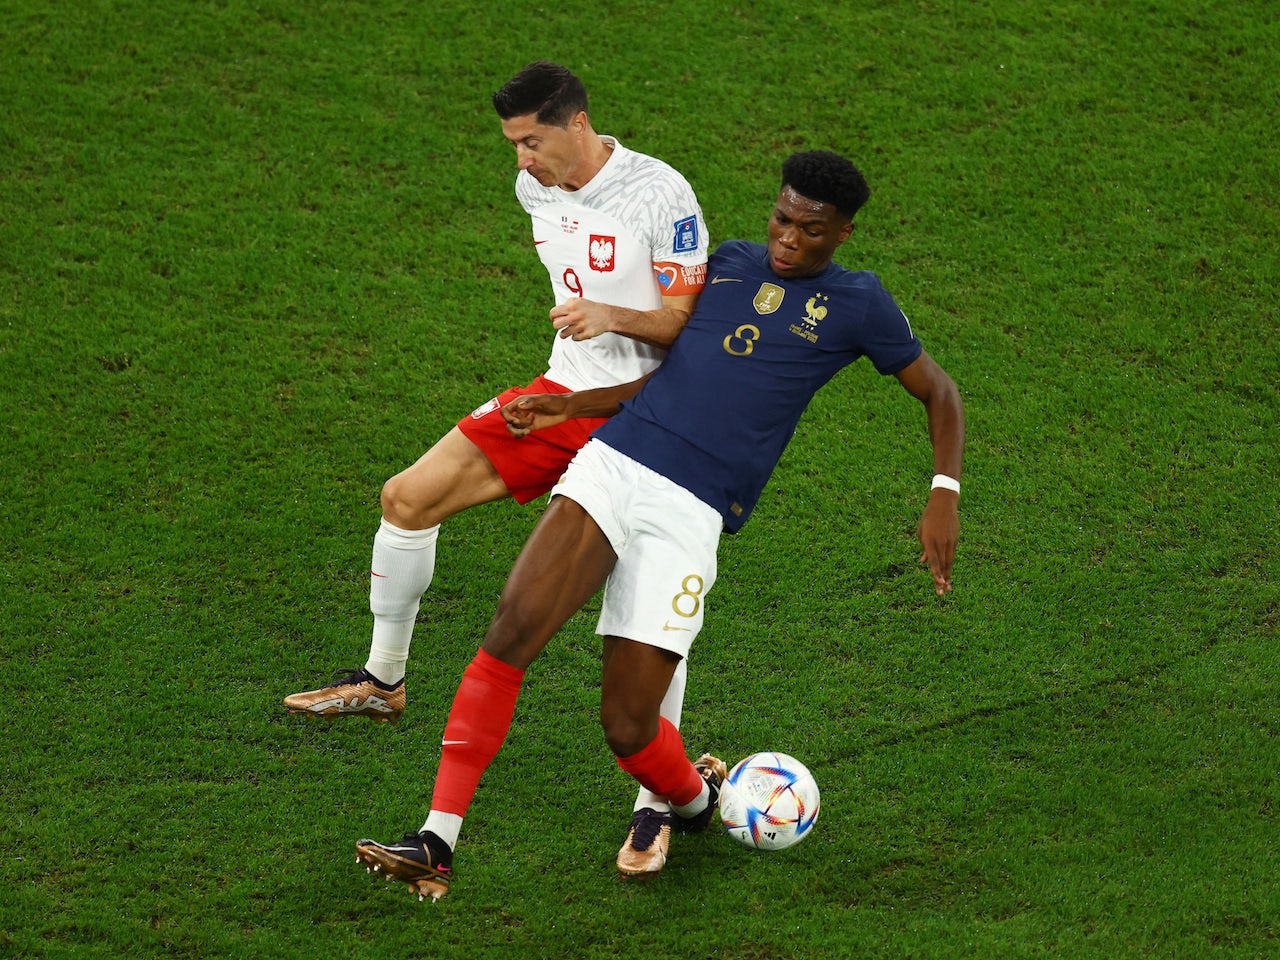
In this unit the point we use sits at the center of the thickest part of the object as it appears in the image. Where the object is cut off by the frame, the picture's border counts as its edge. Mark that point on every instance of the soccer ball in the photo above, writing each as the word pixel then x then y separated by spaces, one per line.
pixel 769 801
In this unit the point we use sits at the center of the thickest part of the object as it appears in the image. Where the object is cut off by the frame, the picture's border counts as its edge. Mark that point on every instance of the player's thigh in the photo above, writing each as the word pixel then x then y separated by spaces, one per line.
pixel 563 564
pixel 452 476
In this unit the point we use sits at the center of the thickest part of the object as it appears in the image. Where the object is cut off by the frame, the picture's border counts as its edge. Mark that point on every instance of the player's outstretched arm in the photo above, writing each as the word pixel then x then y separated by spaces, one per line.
pixel 584 319
pixel 939 530
pixel 537 411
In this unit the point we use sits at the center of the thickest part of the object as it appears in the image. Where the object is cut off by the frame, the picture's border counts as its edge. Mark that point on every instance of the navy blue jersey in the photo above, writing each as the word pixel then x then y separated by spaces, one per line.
pixel 717 414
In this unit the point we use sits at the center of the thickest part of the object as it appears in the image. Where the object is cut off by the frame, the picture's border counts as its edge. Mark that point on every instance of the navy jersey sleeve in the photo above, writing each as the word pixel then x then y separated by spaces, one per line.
pixel 887 338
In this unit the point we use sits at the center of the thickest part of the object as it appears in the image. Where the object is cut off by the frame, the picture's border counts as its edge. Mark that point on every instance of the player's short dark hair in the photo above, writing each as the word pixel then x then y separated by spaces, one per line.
pixel 546 89
pixel 828 178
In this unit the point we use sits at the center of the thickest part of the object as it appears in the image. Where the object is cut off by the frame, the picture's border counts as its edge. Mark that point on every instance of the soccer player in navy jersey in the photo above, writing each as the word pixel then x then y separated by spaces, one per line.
pixel 685 455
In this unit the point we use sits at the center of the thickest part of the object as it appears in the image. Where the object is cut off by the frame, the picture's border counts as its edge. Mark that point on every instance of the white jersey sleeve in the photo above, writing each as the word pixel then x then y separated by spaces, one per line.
pixel 632 234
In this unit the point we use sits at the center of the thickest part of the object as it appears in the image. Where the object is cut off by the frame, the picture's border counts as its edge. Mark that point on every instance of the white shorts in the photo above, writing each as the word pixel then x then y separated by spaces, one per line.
pixel 665 539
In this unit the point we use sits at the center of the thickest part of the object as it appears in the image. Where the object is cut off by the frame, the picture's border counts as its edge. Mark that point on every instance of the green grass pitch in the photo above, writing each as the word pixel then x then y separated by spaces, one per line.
pixel 255 257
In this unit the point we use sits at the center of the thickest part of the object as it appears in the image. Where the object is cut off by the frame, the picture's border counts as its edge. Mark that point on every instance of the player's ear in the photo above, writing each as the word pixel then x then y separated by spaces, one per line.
pixel 844 233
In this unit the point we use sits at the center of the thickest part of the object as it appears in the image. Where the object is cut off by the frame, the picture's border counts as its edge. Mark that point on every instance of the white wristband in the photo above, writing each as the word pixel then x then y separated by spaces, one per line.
pixel 945 482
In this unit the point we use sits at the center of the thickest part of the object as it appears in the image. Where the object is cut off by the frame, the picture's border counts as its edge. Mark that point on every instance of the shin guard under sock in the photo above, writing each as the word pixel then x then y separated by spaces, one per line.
pixel 403 564
pixel 478 723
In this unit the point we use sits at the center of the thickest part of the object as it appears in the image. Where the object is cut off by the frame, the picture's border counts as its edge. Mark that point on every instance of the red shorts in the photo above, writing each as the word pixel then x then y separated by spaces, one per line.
pixel 529 466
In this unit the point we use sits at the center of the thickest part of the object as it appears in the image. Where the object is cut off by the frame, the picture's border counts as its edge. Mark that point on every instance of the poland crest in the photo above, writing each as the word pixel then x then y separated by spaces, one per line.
pixel 601 253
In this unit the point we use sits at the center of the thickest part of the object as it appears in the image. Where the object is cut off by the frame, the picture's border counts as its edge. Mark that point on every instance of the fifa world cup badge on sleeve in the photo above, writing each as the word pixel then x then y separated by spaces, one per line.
pixel 686 235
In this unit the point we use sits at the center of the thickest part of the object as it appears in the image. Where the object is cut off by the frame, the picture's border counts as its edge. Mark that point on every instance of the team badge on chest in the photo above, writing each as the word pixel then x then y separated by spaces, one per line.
pixel 768 298
pixel 600 251
pixel 814 311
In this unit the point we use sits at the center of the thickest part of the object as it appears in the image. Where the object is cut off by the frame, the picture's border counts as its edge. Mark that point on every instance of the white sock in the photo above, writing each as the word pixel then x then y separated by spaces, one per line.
pixel 696 805
pixel 446 826
pixel 403 564
pixel 672 707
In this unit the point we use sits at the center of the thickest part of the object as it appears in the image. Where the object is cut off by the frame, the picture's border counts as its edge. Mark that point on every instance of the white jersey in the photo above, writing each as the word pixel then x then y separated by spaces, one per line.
pixel 631 234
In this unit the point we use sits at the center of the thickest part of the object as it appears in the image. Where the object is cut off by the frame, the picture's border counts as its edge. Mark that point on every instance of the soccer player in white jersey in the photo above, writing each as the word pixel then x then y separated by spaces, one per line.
pixel 625 245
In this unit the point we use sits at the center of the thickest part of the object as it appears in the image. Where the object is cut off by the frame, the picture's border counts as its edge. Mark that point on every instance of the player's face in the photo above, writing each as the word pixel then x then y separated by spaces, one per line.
pixel 804 234
pixel 551 154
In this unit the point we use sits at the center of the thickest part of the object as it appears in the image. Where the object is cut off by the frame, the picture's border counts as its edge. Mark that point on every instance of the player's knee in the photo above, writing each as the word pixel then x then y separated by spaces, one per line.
pixel 625 732
pixel 515 635
pixel 391 496
pixel 399 505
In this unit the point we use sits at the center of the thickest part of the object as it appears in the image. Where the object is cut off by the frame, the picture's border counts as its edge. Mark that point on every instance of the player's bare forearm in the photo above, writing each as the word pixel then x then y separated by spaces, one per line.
pixel 946 430
pixel 939 530
pixel 930 384
pixel 584 319
pixel 940 526
pixel 657 327
pixel 603 401
pixel 537 411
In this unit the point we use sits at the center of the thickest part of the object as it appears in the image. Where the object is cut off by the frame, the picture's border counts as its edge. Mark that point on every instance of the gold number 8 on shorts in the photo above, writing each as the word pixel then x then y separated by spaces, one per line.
pixel 690 596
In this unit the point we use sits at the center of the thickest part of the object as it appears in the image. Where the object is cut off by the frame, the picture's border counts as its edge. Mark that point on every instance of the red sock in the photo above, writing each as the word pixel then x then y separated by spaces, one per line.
pixel 663 767
pixel 478 723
